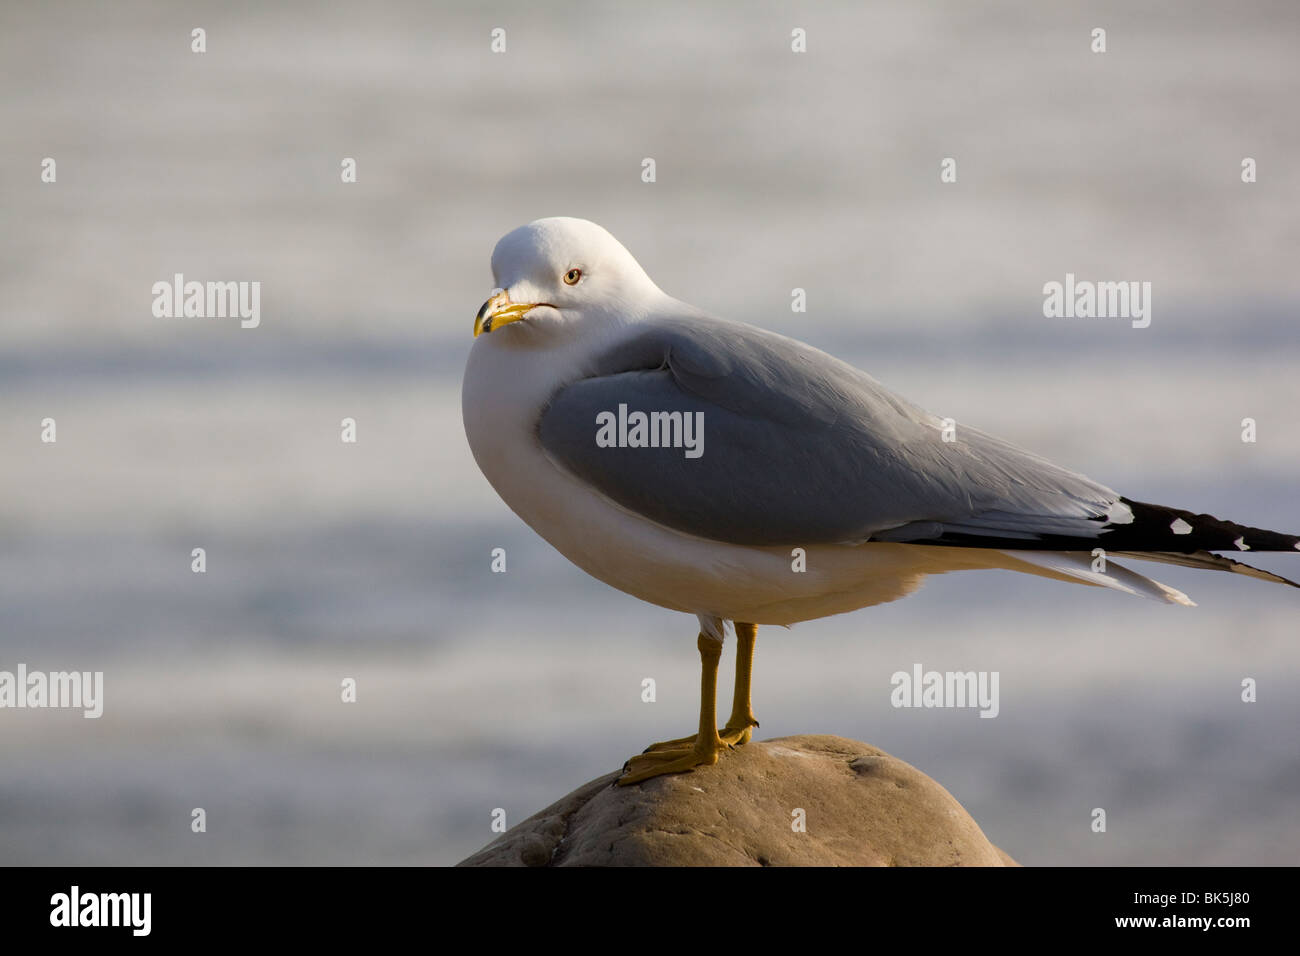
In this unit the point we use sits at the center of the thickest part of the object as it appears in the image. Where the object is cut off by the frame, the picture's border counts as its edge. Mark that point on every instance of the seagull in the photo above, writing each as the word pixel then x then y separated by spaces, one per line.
pixel 725 471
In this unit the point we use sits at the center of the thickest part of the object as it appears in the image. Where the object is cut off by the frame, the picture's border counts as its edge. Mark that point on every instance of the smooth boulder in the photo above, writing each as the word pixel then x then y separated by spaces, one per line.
pixel 808 800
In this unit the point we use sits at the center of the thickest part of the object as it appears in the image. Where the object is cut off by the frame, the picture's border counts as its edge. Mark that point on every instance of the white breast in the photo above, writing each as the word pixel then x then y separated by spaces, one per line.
pixel 506 387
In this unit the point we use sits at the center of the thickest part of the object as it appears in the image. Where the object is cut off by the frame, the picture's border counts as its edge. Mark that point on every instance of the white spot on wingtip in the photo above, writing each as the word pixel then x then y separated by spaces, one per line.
pixel 1241 544
pixel 1180 526
pixel 1119 513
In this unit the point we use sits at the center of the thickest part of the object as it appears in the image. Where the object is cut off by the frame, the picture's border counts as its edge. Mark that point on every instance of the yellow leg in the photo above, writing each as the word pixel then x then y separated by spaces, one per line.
pixel 707 744
pixel 739 725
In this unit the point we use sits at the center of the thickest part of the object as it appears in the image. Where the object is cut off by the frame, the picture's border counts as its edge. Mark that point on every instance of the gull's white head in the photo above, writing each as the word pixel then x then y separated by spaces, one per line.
pixel 555 273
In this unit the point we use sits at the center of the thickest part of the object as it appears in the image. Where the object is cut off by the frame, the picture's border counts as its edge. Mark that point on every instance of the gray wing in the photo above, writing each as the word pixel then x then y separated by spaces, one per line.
pixel 800 448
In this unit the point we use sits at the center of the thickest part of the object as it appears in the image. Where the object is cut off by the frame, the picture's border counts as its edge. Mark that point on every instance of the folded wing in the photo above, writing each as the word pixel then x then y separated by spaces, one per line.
pixel 799 448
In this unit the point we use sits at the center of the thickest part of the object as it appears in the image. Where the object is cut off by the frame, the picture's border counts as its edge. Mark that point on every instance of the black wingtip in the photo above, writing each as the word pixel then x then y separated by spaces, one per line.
pixel 1161 528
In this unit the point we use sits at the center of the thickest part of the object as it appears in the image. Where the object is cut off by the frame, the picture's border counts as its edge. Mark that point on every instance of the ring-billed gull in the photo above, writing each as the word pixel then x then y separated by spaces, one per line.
pixel 684 459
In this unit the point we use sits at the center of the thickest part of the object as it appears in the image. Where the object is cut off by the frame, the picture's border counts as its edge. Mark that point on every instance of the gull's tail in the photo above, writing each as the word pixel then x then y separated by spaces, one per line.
pixel 1173 536
pixel 1130 529
pixel 1082 568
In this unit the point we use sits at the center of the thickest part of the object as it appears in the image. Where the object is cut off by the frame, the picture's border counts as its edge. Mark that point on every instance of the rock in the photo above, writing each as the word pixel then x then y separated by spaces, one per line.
pixel 861 807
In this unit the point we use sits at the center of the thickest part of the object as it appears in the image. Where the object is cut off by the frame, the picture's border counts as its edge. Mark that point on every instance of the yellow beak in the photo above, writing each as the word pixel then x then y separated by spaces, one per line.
pixel 498 311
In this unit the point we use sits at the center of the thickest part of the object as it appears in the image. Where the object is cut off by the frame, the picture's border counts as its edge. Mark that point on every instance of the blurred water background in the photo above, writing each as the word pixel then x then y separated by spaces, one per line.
pixel 774 171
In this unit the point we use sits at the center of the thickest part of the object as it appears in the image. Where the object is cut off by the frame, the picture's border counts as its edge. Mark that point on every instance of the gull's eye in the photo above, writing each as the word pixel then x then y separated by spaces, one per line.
pixel 572 276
